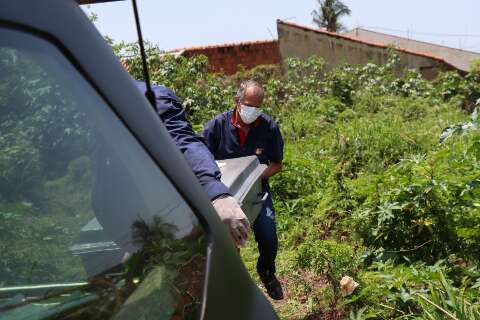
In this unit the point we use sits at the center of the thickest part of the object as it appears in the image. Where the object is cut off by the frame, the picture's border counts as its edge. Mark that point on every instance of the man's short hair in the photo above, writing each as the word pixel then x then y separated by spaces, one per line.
pixel 247 84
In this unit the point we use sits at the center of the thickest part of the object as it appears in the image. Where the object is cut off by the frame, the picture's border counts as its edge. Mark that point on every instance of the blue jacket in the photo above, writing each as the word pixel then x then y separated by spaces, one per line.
pixel 193 147
pixel 263 140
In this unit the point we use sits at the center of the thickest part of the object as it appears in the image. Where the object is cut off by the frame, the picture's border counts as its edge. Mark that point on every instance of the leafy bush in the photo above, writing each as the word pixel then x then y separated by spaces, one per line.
pixel 261 73
pixel 204 95
pixel 391 291
pixel 329 258
pixel 424 208
pixel 451 85
pixel 475 66
pixel 304 76
pixel 373 144
pixel 300 177
pixel 309 116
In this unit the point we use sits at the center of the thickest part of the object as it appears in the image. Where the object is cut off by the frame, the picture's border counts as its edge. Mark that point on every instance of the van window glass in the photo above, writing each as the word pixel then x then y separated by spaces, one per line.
pixel 90 227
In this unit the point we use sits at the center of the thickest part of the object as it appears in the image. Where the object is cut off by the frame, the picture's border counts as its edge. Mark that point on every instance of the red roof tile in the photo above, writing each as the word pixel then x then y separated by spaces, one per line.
pixel 225 45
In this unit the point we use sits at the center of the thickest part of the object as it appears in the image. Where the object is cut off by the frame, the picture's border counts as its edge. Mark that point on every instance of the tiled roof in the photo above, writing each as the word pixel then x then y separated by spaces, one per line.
pixel 225 45
pixel 369 43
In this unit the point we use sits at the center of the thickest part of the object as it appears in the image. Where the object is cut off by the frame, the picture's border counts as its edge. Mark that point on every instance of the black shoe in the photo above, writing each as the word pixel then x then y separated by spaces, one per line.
pixel 273 286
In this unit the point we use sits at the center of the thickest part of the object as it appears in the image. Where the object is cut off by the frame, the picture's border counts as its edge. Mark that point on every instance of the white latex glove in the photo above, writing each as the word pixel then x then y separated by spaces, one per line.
pixel 233 217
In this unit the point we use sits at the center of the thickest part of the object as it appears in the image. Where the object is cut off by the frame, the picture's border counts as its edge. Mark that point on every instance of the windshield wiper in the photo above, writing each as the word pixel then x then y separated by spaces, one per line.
pixel 35 290
pixel 44 292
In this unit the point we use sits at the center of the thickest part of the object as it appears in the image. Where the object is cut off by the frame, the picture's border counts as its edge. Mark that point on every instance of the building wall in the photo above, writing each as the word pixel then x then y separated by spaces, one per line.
pixel 459 58
pixel 303 42
pixel 227 58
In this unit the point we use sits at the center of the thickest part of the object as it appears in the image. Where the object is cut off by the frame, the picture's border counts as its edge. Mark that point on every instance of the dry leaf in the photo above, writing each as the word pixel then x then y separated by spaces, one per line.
pixel 347 285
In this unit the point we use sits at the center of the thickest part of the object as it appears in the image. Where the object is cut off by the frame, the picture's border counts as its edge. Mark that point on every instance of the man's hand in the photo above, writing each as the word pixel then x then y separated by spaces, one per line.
pixel 233 217
pixel 272 169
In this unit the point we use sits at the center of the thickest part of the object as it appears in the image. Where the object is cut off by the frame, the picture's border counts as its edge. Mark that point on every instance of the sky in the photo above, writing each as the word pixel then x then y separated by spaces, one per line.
pixel 186 23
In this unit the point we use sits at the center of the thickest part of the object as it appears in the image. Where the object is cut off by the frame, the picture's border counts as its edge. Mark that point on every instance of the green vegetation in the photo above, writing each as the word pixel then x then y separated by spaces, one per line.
pixel 369 189
pixel 475 65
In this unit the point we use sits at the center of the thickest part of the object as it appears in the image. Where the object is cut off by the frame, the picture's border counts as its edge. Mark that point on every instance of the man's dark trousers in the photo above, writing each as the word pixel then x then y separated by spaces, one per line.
pixel 266 237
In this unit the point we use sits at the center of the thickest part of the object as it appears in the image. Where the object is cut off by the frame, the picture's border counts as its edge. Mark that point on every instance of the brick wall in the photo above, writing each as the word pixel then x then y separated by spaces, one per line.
pixel 226 58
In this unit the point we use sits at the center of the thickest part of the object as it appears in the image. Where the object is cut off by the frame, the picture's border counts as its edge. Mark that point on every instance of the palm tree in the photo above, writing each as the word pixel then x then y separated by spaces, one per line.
pixel 329 13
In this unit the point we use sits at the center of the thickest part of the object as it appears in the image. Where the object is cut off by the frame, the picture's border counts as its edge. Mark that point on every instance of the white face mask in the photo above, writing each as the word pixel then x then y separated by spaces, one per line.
pixel 249 114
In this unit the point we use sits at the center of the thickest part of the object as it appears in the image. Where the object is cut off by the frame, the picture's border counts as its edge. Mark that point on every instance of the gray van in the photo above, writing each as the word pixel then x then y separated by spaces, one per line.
pixel 78 141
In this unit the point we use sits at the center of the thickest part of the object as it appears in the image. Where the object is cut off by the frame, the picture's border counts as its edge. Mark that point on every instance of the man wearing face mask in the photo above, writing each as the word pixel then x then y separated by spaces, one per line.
pixel 246 131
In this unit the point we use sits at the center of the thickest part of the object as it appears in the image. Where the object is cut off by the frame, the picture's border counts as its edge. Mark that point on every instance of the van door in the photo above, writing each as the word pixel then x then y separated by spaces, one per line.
pixel 100 214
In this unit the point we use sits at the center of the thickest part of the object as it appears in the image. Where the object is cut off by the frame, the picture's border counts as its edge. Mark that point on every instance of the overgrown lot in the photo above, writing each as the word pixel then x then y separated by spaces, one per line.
pixel 371 188
pixel 381 182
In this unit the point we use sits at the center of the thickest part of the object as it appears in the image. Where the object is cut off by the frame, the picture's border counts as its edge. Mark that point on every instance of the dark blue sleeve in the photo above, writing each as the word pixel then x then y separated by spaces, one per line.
pixel 210 136
pixel 275 144
pixel 190 144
